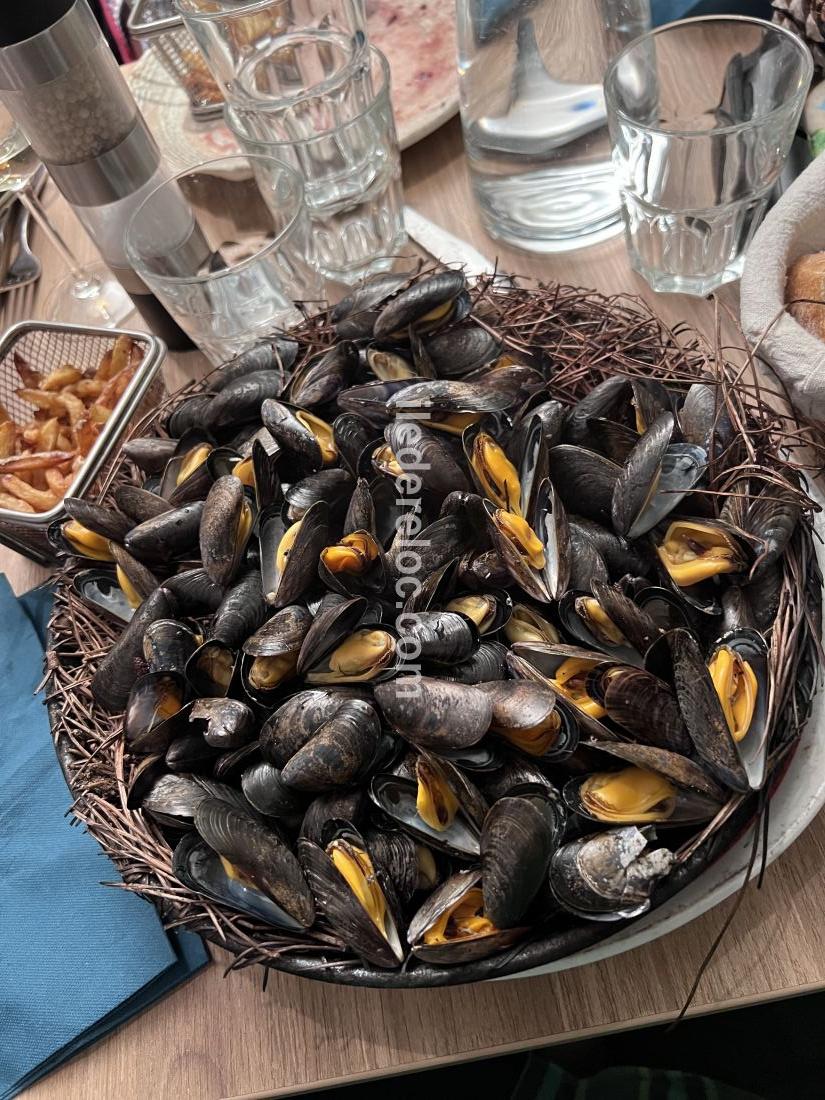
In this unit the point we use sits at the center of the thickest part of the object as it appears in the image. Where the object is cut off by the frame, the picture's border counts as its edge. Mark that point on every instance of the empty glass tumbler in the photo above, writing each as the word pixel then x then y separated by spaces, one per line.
pixel 274 50
pixel 343 145
pixel 226 247
pixel 702 115
pixel 534 118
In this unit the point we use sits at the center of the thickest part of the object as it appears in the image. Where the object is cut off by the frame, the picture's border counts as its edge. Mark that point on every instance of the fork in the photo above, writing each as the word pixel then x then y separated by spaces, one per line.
pixel 26 268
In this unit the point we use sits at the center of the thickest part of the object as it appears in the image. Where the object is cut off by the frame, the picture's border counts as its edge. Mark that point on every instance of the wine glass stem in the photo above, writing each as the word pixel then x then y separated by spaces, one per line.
pixel 42 218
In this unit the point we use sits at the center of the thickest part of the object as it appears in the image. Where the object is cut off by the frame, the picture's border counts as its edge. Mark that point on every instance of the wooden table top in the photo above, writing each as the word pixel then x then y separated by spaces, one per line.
pixel 222 1037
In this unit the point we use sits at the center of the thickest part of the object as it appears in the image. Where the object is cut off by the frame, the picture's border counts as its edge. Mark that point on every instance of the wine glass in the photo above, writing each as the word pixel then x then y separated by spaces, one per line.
pixel 89 294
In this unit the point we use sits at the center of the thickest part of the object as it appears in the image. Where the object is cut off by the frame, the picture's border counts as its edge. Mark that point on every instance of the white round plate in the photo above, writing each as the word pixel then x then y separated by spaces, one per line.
pixel 798 799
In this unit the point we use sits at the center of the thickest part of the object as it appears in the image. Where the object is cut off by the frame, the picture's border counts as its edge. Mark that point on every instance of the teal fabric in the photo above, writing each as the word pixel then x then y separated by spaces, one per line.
pixel 76 958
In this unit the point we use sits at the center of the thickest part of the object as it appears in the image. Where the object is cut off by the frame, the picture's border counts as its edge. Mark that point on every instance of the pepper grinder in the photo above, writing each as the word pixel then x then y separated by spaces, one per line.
pixel 63 87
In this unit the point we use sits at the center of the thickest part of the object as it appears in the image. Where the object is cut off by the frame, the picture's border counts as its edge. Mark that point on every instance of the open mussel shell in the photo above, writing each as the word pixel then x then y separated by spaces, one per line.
pixel 389 365
pixel 739 670
pixel 352 435
pixel 121 666
pixel 105 522
pixel 450 928
pixel 603 400
pixel 259 859
pixel 168 645
pixel 526 624
pixel 336 618
pixel 354 316
pixel 656 787
pixel 332 486
pixel 186 476
pixel 339 752
pixel 370 654
pixel 154 711
pixel 289 554
pixel 702 712
pixel 697 550
pixel 271 653
pixel 266 792
pixel 211 669
pixel 355 896
pixel 447 405
pixel 228 723
pixel 321 378
pixel 68 538
pixel 337 805
pixel 435 714
pixel 135 580
pixel 99 588
pixel 370 400
pixel 225 528
pixel 172 799
pixel 530 717
pixel 495 476
pixel 301 434
pixel 437 804
pixel 585 481
pixel 642 704
pixel 355 563
pixel 410 866
pixel 606 619
pixel 427 305
pixel 608 876
pixel 169 535
pixel 638 483
pixel 488 611
pixel 428 456
pixel 568 670
pixel 520 833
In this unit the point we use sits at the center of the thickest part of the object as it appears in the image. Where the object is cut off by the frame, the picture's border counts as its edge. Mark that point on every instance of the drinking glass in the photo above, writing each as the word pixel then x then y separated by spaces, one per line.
pixel 274 50
pixel 88 294
pixel 226 246
pixel 344 146
pixel 702 114
pixel 534 118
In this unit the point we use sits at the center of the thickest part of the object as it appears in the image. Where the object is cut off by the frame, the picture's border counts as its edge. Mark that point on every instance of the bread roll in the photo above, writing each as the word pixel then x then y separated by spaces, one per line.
pixel 806 279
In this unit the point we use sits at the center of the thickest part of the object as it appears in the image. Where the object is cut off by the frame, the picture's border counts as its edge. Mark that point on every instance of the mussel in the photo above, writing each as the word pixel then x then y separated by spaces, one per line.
pixel 451 927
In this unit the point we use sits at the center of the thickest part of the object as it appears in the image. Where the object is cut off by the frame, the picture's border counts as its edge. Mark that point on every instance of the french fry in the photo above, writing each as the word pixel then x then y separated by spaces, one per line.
pixel 35 478
pixel 121 354
pixel 51 402
pixel 57 482
pixel 104 367
pixel 115 387
pixel 86 433
pixel 98 414
pixel 64 441
pixel 61 378
pixel 88 387
pixel 40 500
pixel 8 436
pixel 14 503
pixel 75 408
pixel 28 375
pixel 31 435
pixel 47 435
pixel 37 460
pixel 4 414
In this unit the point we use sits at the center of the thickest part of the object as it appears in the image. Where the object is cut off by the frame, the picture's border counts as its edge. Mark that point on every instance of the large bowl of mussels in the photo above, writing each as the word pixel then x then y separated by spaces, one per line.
pixel 440 639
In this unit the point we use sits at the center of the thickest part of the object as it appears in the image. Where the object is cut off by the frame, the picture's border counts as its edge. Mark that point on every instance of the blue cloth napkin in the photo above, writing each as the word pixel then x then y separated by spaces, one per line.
pixel 76 958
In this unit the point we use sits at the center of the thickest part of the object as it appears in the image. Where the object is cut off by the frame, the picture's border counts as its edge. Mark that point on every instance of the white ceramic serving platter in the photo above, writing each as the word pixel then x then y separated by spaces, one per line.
pixel 799 798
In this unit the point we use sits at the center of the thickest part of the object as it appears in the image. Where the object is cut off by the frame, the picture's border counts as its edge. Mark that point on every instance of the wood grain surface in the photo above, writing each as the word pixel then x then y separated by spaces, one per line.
pixel 222 1037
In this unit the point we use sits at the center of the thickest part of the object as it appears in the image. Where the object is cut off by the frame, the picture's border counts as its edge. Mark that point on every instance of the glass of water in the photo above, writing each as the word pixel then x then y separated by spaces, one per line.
pixel 534 118
pixel 344 146
pixel 274 50
pixel 226 246
pixel 702 114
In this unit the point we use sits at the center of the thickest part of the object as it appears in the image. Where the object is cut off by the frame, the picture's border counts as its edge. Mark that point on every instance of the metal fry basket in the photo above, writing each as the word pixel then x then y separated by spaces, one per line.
pixel 45 346
pixel 157 23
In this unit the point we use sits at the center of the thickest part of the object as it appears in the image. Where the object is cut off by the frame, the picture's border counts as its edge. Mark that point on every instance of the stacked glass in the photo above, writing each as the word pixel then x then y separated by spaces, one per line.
pixel 303 85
